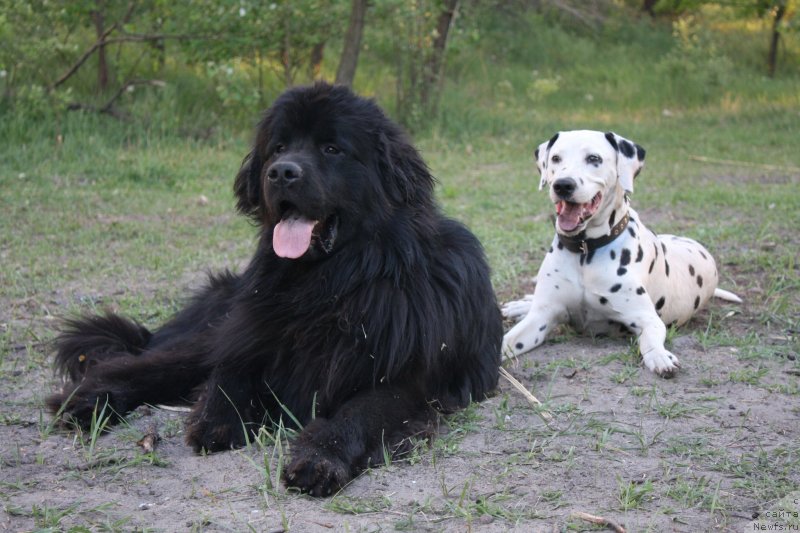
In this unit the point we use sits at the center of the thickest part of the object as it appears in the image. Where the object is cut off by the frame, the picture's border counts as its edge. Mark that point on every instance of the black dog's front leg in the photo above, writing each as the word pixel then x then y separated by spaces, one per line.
pixel 329 452
pixel 227 411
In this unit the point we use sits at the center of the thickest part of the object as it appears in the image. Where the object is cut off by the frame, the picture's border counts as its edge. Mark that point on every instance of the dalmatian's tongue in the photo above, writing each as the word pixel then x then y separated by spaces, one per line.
pixel 292 235
pixel 569 215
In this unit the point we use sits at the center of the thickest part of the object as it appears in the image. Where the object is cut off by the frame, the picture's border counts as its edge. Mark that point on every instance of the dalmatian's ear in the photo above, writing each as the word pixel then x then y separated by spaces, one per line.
pixel 630 159
pixel 541 154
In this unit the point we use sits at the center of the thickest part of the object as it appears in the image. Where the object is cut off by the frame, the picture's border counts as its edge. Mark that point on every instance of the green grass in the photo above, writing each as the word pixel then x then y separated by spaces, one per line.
pixel 95 213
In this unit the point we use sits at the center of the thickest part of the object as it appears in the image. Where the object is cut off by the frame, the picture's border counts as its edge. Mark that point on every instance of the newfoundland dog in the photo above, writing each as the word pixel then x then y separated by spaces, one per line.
pixel 363 312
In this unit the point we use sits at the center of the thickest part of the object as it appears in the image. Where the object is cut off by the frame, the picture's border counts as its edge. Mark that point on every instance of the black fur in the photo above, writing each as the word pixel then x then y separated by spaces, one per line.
pixel 387 317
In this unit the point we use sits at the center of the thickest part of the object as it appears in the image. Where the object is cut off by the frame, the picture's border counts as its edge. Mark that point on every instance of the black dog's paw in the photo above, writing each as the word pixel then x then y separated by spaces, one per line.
pixel 82 405
pixel 205 434
pixel 316 471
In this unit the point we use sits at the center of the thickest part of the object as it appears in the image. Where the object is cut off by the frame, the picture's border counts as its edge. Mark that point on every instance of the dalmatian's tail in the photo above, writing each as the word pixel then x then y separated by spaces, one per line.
pixel 728 296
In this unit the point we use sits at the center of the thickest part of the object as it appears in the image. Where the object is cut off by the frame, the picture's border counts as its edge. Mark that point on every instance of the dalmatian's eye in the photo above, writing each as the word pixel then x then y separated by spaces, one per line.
pixel 556 159
pixel 594 159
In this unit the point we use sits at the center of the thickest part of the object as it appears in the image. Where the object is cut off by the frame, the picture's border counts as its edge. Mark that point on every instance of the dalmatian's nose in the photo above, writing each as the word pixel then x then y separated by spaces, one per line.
pixel 564 187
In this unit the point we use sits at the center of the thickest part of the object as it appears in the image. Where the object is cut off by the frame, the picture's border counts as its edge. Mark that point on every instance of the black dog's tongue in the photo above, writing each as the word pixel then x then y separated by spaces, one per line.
pixel 292 235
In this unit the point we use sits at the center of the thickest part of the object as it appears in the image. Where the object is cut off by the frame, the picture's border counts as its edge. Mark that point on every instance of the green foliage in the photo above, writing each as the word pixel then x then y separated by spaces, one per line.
pixel 220 61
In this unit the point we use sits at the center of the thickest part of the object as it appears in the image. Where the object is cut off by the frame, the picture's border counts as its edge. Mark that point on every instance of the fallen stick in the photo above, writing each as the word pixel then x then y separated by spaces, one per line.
pixel 546 416
pixel 151 437
pixel 599 520
pixel 764 166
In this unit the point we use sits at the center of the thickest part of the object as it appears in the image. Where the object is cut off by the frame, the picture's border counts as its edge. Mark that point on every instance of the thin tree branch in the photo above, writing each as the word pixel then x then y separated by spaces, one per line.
pixel 86 55
pixel 108 108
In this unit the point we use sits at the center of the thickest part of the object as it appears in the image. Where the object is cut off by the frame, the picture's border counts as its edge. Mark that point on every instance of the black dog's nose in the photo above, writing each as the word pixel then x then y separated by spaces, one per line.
pixel 286 172
pixel 564 187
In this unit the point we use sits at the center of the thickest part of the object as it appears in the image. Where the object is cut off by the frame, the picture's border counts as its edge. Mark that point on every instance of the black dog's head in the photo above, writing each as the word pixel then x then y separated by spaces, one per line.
pixel 328 166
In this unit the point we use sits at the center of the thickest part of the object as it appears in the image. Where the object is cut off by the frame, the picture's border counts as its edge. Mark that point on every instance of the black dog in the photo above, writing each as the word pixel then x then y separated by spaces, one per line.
pixel 363 311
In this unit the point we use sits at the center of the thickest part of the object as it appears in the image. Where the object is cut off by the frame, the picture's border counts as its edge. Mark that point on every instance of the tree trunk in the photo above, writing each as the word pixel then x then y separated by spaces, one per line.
pixel 352 44
pixel 649 7
pixel 772 56
pixel 433 69
pixel 315 65
pixel 98 17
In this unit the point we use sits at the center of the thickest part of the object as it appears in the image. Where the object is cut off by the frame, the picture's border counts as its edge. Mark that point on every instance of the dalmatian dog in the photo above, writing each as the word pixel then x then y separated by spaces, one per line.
pixel 605 271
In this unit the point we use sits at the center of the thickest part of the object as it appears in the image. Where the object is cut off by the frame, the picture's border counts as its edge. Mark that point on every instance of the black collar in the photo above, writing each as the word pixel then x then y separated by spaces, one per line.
pixel 579 244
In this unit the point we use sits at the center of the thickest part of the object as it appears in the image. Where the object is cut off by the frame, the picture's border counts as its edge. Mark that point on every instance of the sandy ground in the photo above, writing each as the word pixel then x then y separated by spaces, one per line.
pixel 708 450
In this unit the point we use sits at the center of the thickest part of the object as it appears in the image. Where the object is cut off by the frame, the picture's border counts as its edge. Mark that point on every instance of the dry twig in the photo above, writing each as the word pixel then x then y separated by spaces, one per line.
pixel 763 166
pixel 600 520
pixel 546 416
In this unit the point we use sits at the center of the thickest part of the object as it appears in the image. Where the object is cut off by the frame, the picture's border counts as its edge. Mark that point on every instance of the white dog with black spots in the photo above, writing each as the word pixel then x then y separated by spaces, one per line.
pixel 606 272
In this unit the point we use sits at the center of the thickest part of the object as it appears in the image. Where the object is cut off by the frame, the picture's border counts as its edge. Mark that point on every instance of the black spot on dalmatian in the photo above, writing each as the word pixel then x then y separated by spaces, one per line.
pixel 536 340
pixel 639 254
pixel 560 245
pixel 613 255
pixel 590 256
pixel 640 153
pixel 582 182
pixel 627 149
pixel 666 267
pixel 603 300
pixel 544 327
pixel 612 140
pixel 625 257
pixel 550 251
pixel 660 303
pixel 699 281
pixel 552 141
pixel 612 218
pixel 703 255
pixel 691 270
pixel 556 287
pixel 616 287
pixel 621 271
pixel 697 302
pixel 640 291
pixel 630 230
pixel 536 154
pixel 652 264
pixel 519 346
pixel 664 247
pixel 655 246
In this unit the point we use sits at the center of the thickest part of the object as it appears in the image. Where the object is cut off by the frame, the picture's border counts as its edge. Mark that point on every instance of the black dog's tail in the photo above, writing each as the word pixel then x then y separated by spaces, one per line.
pixel 85 341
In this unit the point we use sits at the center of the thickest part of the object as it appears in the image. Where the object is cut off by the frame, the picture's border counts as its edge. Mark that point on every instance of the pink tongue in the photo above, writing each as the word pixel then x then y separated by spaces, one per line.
pixel 292 236
pixel 570 216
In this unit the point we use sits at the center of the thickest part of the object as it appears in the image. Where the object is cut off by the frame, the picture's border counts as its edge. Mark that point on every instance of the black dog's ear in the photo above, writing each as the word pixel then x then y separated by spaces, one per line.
pixel 247 186
pixel 404 173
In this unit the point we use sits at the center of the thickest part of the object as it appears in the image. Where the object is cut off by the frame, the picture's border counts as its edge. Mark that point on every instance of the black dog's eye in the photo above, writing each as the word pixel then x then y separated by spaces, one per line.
pixel 331 149
pixel 280 148
pixel 594 159
pixel 556 159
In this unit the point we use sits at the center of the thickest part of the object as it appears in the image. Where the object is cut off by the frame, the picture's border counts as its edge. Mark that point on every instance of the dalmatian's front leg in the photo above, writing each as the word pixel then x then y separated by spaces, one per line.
pixel 541 318
pixel 517 309
pixel 652 334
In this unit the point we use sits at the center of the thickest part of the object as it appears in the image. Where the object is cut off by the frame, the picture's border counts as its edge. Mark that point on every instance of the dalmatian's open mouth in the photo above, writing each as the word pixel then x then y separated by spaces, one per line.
pixel 571 215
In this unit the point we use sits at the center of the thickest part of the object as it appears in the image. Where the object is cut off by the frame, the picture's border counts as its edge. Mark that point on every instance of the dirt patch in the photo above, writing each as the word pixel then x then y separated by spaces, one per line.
pixel 712 448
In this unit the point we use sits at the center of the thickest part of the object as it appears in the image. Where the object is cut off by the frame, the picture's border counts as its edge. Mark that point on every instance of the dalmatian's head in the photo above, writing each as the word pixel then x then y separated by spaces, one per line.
pixel 588 173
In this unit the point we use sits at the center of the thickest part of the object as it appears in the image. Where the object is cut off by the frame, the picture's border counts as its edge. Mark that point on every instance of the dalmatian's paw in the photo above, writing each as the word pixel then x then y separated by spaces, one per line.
pixel 662 362
pixel 518 308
